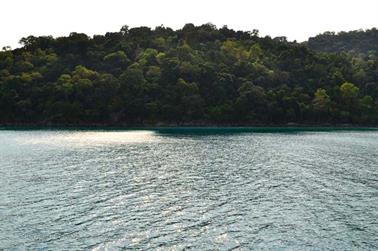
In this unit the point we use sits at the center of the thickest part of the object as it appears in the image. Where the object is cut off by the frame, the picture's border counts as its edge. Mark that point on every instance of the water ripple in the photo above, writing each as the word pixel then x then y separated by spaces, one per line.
pixel 145 190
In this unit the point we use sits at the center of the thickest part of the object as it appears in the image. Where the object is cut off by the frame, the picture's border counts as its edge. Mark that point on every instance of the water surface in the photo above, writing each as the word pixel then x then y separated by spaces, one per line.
pixel 175 189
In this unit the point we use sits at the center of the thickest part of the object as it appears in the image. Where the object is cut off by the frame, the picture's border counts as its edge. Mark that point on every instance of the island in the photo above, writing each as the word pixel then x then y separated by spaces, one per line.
pixel 197 75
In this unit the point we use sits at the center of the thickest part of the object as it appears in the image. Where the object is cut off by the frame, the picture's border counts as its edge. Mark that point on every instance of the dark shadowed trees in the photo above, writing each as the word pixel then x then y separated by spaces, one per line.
pixel 197 74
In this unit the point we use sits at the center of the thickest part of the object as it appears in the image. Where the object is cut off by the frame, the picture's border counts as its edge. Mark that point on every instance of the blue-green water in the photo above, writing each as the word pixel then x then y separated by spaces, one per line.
pixel 175 189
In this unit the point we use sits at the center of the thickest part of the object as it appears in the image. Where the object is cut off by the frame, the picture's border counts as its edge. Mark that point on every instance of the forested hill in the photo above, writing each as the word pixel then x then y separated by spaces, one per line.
pixel 359 41
pixel 195 75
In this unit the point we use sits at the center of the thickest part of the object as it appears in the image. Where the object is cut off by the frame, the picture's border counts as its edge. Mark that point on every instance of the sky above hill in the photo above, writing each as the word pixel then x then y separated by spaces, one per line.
pixel 295 19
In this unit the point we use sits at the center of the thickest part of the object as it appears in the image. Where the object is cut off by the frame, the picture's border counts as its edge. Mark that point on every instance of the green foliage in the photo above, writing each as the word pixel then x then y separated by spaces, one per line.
pixel 116 60
pixel 349 91
pixel 358 41
pixel 198 74
pixel 321 100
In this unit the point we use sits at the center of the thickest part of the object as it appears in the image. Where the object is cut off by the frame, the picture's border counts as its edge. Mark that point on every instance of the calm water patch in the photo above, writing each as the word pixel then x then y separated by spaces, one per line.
pixel 200 189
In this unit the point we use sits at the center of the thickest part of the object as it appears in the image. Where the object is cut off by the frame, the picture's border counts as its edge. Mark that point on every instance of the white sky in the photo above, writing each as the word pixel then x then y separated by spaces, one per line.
pixel 296 19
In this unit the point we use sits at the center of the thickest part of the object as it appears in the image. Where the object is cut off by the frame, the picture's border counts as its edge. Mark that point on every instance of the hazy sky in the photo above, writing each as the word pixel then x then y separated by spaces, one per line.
pixel 296 19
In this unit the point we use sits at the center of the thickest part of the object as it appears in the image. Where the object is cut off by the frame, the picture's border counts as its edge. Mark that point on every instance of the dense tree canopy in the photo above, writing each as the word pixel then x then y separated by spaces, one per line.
pixel 195 75
pixel 357 42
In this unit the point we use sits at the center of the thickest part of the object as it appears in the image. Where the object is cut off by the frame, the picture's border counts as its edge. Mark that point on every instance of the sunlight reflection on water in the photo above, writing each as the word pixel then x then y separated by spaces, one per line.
pixel 180 189
pixel 95 137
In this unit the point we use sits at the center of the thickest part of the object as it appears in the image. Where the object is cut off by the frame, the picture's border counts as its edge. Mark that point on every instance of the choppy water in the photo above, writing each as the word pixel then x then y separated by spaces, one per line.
pixel 188 189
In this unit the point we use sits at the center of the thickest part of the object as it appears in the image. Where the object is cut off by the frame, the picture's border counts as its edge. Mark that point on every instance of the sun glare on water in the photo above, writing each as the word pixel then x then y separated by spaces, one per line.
pixel 96 137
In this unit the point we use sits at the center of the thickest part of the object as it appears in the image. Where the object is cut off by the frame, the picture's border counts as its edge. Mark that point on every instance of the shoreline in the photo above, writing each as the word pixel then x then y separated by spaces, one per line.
pixel 183 126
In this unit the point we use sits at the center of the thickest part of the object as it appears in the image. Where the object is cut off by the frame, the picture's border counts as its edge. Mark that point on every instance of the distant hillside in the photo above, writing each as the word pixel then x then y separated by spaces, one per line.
pixel 359 41
pixel 194 75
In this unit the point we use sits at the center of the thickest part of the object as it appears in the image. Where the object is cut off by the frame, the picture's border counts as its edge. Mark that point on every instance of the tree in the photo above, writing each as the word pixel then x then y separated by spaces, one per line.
pixel 117 59
pixel 65 85
pixel 251 102
pixel 321 101
pixel 349 91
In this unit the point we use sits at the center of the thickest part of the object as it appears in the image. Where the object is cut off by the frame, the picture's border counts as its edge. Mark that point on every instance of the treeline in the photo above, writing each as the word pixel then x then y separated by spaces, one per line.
pixel 356 42
pixel 195 75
